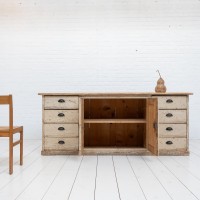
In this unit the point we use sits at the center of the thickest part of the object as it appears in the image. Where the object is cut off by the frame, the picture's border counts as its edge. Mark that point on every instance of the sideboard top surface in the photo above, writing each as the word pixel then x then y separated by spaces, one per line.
pixel 128 94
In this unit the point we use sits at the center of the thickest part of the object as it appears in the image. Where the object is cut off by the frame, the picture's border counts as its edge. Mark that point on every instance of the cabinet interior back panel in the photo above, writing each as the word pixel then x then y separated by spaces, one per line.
pixel 114 108
pixel 114 135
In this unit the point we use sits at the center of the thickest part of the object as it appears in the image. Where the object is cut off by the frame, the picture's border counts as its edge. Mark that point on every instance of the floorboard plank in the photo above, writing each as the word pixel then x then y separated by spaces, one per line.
pixel 43 180
pixel 63 183
pixel 191 164
pixel 29 146
pixel 185 177
pixel 172 185
pixel 84 186
pixel 15 187
pixel 106 186
pixel 29 159
pixel 99 177
pixel 151 187
pixel 129 187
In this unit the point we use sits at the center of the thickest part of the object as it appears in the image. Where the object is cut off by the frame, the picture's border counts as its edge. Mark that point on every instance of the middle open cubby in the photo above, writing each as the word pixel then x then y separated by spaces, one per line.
pixel 115 123
pixel 114 109
pixel 114 135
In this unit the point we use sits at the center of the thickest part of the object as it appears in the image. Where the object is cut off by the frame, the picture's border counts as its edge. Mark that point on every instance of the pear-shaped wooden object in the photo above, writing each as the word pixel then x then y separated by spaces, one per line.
pixel 160 87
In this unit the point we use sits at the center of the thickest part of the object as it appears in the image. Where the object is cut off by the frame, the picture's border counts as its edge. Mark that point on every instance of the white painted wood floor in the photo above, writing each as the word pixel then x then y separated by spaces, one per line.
pixel 99 177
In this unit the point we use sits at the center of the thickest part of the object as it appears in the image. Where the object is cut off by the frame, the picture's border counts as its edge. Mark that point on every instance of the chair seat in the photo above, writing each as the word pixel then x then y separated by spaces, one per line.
pixel 4 130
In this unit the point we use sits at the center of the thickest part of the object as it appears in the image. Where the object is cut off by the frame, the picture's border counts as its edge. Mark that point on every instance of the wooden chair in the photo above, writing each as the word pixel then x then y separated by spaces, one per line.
pixel 9 131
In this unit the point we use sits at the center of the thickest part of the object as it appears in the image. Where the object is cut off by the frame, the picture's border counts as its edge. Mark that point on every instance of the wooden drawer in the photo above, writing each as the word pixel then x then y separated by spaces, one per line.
pixel 172 116
pixel 173 143
pixel 61 116
pixel 61 102
pixel 61 143
pixel 172 102
pixel 172 130
pixel 61 130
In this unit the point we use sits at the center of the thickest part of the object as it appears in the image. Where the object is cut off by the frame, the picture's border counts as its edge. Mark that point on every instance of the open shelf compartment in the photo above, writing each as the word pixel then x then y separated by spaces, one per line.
pixel 114 123
pixel 114 135
pixel 115 109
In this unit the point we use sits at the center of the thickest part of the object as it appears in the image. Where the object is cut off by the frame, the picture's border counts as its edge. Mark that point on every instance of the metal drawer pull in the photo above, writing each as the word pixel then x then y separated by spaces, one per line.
pixel 61 128
pixel 169 115
pixel 169 142
pixel 61 115
pixel 169 101
pixel 61 101
pixel 61 142
pixel 169 129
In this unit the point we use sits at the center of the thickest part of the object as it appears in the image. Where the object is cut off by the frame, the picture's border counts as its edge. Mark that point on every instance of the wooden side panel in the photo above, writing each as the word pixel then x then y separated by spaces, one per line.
pixel 81 125
pixel 43 134
pixel 152 139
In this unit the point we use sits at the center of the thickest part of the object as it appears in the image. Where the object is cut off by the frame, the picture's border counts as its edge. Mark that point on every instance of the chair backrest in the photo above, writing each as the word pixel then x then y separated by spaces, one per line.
pixel 7 100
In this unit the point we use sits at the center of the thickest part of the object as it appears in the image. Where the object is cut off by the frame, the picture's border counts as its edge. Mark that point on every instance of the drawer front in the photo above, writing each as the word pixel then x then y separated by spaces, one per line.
pixel 61 130
pixel 61 116
pixel 172 130
pixel 61 102
pixel 172 116
pixel 61 143
pixel 172 102
pixel 172 143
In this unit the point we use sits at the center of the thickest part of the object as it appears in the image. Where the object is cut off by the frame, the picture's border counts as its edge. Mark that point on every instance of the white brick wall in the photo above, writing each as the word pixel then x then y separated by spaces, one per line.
pixel 97 45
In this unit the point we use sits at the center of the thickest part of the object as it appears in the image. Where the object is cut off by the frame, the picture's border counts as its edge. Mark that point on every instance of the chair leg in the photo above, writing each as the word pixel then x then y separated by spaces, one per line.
pixel 21 147
pixel 11 154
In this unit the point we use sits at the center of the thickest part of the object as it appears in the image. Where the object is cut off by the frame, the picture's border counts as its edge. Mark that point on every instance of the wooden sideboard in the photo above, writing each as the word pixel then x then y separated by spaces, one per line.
pixel 115 123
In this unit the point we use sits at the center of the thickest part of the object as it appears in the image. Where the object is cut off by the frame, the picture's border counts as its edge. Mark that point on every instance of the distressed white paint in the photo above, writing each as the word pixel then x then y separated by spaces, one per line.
pixel 92 45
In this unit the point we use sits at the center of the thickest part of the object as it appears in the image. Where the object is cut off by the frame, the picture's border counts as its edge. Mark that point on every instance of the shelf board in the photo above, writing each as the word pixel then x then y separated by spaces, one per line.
pixel 136 121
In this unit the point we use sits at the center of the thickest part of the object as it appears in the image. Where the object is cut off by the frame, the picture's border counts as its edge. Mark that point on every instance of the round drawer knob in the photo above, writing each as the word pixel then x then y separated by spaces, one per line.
pixel 169 142
pixel 169 129
pixel 61 128
pixel 169 115
pixel 61 115
pixel 61 142
pixel 61 101
pixel 169 101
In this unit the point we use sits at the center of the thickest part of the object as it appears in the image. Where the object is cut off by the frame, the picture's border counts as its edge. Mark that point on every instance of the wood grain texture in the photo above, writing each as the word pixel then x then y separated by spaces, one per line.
pixel 70 116
pixel 117 121
pixel 177 143
pixel 69 144
pixel 111 122
pixel 114 108
pixel 172 102
pixel 178 116
pixel 61 102
pixel 172 130
pixel 114 135
pixel 152 118
pixel 116 151
pixel 117 94
pixel 56 130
